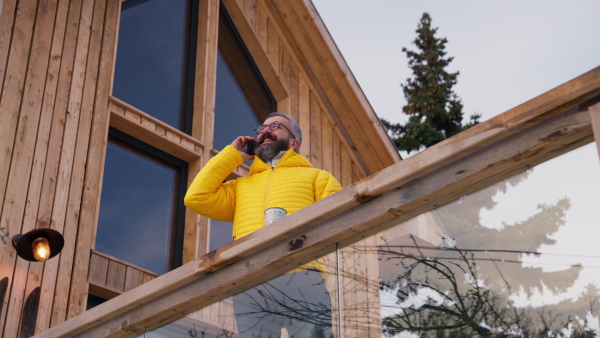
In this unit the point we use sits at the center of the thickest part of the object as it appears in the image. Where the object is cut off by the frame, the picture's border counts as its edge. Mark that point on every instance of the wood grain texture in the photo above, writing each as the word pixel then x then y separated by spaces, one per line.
pixel 337 162
pixel 90 199
pixel 304 118
pixel 98 269
pixel 45 274
pixel 7 17
pixel 316 128
pixel 260 27
pixel 206 72
pixel 294 91
pixel 152 131
pixel 110 273
pixel 195 239
pixel 23 161
pixel 196 226
pixel 15 42
pixel 68 255
pixel 327 144
pixel 250 12
pixel 59 113
pixel 65 189
pixel 18 126
pixel 346 168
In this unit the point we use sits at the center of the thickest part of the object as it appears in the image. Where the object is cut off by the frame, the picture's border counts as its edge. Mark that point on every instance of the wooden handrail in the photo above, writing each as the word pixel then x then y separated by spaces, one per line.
pixel 545 127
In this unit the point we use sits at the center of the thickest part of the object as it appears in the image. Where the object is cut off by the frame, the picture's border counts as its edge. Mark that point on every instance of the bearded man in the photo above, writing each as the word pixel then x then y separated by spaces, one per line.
pixel 279 177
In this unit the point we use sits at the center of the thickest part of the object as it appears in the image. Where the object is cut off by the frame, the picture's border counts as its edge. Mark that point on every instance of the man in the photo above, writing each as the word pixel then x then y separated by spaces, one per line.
pixel 279 177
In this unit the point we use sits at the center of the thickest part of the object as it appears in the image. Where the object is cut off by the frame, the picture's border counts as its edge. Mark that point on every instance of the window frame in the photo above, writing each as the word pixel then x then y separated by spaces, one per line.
pixel 175 254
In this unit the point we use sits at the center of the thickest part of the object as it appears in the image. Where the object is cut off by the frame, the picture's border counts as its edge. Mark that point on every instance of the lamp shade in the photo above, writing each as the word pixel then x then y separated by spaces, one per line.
pixel 24 243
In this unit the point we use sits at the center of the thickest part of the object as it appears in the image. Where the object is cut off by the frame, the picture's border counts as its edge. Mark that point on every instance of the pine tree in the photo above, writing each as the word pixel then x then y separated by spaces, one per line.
pixel 435 110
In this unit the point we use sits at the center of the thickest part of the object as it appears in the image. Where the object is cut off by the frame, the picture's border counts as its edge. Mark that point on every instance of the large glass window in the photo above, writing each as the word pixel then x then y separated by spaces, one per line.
pixel 141 214
pixel 242 98
pixel 154 54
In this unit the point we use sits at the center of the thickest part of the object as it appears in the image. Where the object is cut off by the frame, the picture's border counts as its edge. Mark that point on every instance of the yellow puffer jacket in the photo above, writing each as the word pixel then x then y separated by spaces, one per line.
pixel 293 184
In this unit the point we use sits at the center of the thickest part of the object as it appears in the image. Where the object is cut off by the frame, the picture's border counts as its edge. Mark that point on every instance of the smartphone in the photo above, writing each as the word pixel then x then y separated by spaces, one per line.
pixel 250 147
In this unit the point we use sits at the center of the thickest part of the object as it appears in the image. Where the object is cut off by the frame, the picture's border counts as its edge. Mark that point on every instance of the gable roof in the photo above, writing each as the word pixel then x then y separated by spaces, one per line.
pixel 336 85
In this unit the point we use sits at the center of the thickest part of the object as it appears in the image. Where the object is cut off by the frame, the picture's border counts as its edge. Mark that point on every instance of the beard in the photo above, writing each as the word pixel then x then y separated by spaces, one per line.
pixel 267 152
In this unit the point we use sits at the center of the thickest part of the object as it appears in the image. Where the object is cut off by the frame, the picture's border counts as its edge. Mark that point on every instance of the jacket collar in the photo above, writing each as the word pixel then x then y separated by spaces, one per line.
pixel 274 161
pixel 290 159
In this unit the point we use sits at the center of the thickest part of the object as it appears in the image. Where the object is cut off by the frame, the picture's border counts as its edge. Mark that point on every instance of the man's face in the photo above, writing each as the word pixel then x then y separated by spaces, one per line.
pixel 272 142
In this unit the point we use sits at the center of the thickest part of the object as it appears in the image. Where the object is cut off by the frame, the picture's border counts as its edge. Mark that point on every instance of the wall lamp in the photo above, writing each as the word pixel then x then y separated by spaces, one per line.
pixel 38 244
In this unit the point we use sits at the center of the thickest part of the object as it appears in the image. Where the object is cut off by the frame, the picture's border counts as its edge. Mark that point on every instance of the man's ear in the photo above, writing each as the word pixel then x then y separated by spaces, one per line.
pixel 294 144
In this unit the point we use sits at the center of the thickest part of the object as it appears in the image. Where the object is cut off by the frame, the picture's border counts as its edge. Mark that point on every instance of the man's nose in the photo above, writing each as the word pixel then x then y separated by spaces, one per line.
pixel 266 131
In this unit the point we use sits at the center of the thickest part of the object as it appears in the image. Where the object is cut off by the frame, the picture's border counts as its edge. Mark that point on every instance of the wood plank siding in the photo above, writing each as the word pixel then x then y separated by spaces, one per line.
pixel 56 71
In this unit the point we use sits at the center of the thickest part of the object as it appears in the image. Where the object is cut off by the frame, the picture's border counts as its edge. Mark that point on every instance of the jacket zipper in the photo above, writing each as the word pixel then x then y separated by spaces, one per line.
pixel 269 188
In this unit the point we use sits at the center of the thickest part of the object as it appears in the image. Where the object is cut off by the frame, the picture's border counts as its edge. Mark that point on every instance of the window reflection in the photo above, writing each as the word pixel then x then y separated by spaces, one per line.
pixel 213 321
pixel 220 234
pixel 300 303
pixel 242 99
pixel 139 209
pixel 525 261
pixel 297 301
pixel 233 114
pixel 152 64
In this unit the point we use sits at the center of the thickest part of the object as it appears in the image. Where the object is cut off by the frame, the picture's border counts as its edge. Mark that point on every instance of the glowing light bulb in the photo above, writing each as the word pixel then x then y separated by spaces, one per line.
pixel 41 249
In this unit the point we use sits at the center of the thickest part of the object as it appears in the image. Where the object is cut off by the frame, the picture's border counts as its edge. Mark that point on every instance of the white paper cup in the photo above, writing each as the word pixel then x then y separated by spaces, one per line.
pixel 274 214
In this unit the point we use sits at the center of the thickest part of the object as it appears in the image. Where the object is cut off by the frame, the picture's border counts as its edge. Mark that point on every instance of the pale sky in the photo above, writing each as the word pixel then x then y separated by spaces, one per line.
pixel 507 51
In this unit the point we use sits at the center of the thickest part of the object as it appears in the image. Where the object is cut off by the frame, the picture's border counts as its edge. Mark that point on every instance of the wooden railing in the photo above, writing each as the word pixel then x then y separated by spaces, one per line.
pixel 536 131
pixel 109 277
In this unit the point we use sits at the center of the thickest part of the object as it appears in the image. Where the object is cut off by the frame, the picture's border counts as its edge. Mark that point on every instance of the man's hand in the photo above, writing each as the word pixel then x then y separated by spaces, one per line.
pixel 240 143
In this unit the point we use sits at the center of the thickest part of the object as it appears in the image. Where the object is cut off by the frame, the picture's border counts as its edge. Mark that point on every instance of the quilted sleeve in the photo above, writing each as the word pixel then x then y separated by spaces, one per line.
pixel 208 195
pixel 325 185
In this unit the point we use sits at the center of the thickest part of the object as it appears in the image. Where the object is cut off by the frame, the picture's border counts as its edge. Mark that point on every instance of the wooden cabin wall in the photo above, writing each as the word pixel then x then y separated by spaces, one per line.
pixel 56 62
pixel 53 101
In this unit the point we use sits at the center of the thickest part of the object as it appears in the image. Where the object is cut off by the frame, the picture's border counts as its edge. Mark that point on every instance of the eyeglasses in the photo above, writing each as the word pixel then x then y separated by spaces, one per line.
pixel 272 127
